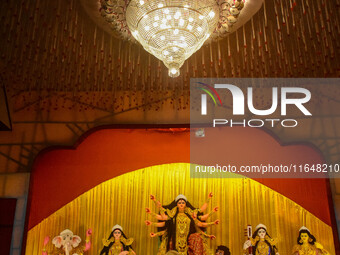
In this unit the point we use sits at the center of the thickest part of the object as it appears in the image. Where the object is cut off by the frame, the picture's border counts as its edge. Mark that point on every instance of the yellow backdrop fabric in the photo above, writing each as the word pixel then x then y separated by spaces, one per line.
pixel 123 200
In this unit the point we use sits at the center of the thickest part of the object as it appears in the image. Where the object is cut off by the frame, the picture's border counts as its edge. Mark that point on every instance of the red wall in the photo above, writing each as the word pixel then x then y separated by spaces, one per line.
pixel 61 175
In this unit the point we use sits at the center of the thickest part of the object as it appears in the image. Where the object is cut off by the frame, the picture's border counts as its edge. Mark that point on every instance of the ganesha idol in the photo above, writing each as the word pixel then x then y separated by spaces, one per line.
pixel 67 243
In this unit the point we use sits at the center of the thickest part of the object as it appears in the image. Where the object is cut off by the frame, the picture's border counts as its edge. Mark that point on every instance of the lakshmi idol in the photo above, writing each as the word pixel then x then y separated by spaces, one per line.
pixel 307 245
pixel 117 243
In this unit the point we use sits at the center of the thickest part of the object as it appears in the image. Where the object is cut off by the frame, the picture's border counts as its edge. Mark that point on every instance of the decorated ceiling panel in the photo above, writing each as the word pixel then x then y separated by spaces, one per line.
pixel 56 46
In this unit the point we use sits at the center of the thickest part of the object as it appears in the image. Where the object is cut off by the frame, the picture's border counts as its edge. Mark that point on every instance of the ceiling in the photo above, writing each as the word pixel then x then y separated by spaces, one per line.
pixel 55 46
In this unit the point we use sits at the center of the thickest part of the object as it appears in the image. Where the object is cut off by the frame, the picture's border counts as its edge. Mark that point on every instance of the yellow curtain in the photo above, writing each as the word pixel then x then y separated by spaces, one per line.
pixel 123 200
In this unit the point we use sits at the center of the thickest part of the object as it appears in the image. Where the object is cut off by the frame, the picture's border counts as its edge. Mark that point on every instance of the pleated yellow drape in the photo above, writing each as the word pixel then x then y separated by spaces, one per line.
pixel 123 200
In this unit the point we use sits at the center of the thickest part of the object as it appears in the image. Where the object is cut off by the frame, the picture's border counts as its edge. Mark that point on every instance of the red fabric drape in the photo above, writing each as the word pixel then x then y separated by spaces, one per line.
pixel 60 175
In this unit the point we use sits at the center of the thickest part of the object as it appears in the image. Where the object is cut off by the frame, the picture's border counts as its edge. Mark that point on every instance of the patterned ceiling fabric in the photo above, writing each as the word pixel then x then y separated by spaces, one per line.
pixel 55 46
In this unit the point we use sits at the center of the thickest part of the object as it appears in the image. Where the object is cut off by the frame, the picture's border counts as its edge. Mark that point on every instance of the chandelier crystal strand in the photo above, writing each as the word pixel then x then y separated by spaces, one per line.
pixel 172 30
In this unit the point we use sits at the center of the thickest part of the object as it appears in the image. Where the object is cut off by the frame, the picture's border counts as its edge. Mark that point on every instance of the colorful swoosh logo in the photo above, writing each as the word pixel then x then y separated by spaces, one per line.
pixel 209 93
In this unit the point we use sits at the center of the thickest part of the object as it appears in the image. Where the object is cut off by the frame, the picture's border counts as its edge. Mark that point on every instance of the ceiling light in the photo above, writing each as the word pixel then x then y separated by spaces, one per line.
pixel 173 30
pixel 201 13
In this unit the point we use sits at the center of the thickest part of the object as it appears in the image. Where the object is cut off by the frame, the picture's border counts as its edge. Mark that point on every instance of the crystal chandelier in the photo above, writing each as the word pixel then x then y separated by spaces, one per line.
pixel 172 30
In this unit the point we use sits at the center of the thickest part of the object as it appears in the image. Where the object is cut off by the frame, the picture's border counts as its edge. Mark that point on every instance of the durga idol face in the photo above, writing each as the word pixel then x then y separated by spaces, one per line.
pixel 181 204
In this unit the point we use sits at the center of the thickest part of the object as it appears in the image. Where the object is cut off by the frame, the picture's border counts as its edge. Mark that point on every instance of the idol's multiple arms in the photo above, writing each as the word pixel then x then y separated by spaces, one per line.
pixel 206 216
pixel 155 215
pixel 156 224
pixel 152 234
pixel 205 205
pixel 206 224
